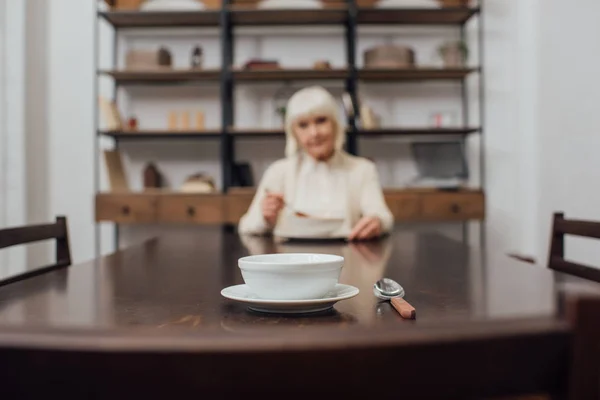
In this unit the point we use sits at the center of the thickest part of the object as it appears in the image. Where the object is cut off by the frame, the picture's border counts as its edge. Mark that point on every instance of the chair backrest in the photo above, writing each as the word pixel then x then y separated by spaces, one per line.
pixel 556 258
pixel 37 233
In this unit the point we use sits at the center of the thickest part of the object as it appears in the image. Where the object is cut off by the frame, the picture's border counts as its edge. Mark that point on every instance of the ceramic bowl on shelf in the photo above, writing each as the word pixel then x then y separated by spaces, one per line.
pixel 291 276
pixel 172 5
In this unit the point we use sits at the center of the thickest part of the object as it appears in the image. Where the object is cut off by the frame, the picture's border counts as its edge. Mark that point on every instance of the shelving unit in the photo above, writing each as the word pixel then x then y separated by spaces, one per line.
pixel 464 205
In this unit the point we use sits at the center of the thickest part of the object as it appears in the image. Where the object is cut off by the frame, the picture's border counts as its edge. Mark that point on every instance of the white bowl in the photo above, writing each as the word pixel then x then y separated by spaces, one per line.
pixel 291 276
pixel 308 227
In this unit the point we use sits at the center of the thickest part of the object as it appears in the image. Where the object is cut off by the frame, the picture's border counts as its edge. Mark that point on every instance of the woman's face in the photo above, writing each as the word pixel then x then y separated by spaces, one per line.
pixel 316 135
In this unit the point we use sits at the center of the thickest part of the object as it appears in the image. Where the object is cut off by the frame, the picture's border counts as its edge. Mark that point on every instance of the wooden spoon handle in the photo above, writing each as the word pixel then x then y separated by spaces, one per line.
pixel 406 310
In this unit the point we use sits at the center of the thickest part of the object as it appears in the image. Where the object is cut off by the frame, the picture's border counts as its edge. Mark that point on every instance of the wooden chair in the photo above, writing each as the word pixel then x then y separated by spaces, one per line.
pixel 556 258
pixel 36 233
pixel 583 312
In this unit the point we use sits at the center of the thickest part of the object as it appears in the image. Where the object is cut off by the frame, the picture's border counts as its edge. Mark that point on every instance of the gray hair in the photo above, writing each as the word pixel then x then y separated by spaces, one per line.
pixel 310 101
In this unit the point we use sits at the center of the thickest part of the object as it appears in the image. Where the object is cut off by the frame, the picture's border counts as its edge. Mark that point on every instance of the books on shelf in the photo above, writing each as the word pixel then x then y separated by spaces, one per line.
pixel 116 173
pixel 111 115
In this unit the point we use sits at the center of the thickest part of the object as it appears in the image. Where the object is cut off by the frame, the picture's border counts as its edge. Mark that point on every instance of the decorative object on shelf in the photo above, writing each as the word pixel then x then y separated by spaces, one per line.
pixel 256 63
pixel 197 58
pixel 152 177
pixel 141 59
pixel 295 4
pixel 182 121
pixel 164 57
pixel 127 4
pixel 454 3
pixel 148 59
pixel 406 4
pixel 212 4
pixel 389 56
pixel 132 123
pixel 441 165
pixel 117 180
pixel 443 119
pixel 185 121
pixel 368 118
pixel 112 117
pixel 172 5
pixel 242 175
pixel 172 120
pixel 280 99
pixel 348 106
pixel 322 65
pixel 199 120
pixel 454 54
pixel 198 183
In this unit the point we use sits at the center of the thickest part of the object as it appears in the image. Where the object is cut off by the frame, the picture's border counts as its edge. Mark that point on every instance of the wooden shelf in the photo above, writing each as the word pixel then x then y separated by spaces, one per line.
pixel 163 76
pixel 257 132
pixel 161 19
pixel 414 74
pixel 289 74
pixel 416 132
pixel 374 75
pixel 415 16
pixel 161 134
pixel 248 16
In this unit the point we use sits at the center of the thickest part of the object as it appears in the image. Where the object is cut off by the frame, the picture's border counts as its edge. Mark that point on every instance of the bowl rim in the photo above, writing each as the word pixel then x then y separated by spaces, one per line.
pixel 248 262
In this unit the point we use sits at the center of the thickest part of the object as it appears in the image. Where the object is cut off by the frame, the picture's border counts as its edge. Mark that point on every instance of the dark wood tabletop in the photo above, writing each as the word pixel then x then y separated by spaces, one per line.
pixel 175 281
pixel 163 296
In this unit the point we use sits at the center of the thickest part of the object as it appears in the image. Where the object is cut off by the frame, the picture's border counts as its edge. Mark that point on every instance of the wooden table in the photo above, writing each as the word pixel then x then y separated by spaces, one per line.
pixel 150 320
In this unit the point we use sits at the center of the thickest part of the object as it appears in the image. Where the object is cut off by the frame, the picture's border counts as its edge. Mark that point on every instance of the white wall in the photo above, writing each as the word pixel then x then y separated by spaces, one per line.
pixel 71 149
pixel 569 95
pixel 511 131
pixel 37 127
pixel 12 155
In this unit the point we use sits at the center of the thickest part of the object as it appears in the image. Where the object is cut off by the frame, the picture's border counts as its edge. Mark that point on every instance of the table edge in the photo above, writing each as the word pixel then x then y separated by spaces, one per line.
pixel 265 340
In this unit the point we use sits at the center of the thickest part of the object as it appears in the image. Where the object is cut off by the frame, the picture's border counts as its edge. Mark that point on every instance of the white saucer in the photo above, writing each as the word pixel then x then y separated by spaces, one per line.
pixel 243 294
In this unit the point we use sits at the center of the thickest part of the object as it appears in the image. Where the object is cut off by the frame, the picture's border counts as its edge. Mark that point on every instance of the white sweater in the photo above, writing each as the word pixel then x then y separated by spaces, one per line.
pixel 345 186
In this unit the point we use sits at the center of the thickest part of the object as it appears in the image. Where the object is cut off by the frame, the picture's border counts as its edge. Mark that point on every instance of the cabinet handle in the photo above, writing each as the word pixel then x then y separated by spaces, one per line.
pixel 455 208
pixel 125 210
pixel 191 211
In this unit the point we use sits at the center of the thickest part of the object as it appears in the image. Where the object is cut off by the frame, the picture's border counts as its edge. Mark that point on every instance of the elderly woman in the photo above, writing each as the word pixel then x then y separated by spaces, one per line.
pixel 317 177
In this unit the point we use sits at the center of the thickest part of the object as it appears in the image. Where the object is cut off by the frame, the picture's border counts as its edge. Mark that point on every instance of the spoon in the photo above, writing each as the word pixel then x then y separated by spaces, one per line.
pixel 388 289
pixel 286 205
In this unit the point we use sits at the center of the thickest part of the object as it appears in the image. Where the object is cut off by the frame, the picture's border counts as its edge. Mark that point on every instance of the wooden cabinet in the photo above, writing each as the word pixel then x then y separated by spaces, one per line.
pixel 191 208
pixel 164 207
pixel 237 203
pixel 404 206
pixel 126 208
pixel 453 206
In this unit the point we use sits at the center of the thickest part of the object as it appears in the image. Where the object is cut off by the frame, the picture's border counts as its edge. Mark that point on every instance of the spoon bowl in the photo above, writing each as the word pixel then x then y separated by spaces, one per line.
pixel 387 289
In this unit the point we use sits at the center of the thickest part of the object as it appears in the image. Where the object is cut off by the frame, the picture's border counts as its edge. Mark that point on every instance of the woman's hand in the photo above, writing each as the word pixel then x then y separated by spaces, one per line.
pixel 271 206
pixel 366 228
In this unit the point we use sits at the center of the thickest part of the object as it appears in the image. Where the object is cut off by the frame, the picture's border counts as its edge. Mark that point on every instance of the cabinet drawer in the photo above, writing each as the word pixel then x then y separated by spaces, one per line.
pixel 193 209
pixel 453 206
pixel 125 208
pixel 403 206
pixel 237 205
